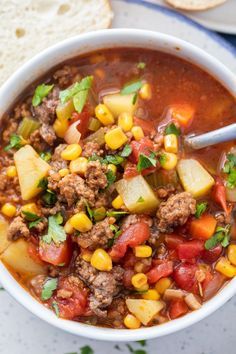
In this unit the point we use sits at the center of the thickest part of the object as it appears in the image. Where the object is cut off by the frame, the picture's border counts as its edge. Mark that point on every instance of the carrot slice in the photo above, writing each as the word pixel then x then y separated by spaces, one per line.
pixel 183 114
pixel 203 228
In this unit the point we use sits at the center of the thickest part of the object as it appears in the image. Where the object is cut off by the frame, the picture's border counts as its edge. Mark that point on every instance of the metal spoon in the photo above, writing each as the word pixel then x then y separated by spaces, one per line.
pixel 213 137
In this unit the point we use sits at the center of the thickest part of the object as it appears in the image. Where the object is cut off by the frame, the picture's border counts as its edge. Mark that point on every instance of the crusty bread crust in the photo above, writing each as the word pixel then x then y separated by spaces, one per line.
pixel 195 5
pixel 29 26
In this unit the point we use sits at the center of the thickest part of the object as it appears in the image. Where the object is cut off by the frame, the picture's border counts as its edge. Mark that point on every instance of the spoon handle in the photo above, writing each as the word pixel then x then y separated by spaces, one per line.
pixel 214 137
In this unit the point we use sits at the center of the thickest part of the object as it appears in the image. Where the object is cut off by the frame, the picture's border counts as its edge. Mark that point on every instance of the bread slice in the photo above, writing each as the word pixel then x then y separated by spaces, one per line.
pixel 195 5
pixel 29 26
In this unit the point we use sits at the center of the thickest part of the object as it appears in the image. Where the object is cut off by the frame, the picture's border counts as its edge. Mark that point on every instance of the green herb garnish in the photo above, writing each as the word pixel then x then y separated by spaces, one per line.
pixel 200 209
pixel 221 236
pixel 34 223
pixel 127 150
pixel 40 93
pixel 15 142
pixel 49 198
pixel 162 159
pixel 146 162
pixel 78 92
pixel 116 213
pixel 46 155
pixel 117 233
pixel 89 210
pixel 86 350
pixel 111 177
pixel 30 216
pixel 48 287
pixel 230 169
pixel 134 87
pixel 172 129
pixel 55 308
pixel 114 159
pixel 56 232
pixel 141 65
pixel 140 200
pixel 43 183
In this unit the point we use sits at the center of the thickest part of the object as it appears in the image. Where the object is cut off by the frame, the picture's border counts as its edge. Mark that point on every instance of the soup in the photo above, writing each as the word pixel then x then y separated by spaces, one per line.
pixel 107 217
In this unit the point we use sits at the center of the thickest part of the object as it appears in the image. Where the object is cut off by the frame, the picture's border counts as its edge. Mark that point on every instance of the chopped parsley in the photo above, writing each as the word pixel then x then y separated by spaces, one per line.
pixel 111 177
pixel 221 236
pixel 86 350
pixel 89 210
pixel 133 87
pixel 117 232
pixel 141 65
pixel 15 142
pixel 140 200
pixel 49 197
pixel 56 232
pixel 43 183
pixel 33 218
pixel 55 308
pixel 48 287
pixel 230 169
pixel 78 92
pixel 40 93
pixel 162 159
pixel 146 162
pixel 127 150
pixel 114 159
pixel 116 213
pixel 172 129
pixel 200 209
pixel 46 155
pixel 34 223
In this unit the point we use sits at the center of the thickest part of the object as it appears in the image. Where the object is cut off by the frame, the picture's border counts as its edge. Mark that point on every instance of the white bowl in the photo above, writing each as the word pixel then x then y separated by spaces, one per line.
pixel 39 65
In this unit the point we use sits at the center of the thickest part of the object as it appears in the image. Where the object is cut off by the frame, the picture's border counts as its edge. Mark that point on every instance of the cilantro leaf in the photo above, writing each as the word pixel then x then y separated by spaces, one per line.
pixel 133 87
pixel 43 183
pixel 56 232
pixel 41 92
pixel 145 162
pixel 48 287
pixel 30 216
pixel 111 177
pixel 55 308
pixel 46 155
pixel 230 169
pixel 127 150
pixel 141 65
pixel 86 350
pixel 78 92
pixel 116 213
pixel 172 129
pixel 89 210
pixel 15 142
pixel 114 159
pixel 200 209
pixel 95 157
pixel 221 236
pixel 49 198
pixel 162 159
pixel 34 223
pixel 117 233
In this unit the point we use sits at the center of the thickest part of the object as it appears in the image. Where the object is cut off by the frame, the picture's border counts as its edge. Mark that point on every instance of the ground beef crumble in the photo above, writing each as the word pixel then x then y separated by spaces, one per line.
pixel 175 211
pixel 46 111
pixel 18 229
pixel 48 134
pixel 95 175
pixel 91 148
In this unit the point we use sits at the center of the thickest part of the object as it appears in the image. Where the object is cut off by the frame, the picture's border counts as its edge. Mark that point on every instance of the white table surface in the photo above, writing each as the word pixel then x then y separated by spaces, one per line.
pixel 23 333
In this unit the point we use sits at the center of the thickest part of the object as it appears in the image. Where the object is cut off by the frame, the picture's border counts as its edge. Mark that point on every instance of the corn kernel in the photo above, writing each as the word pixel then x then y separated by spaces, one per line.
pixel 145 92
pixel 224 267
pixel 125 121
pixel 86 255
pixel 71 152
pixel 112 168
pixel 162 285
pixel 68 228
pixel 104 115
pixel 151 294
pixel 30 208
pixel 143 288
pixel 99 213
pixel 115 138
pixel 143 251
pixel 63 172
pixel 101 260
pixel 137 132
pixel 232 254
pixel 117 202
pixel 9 210
pixel 138 280
pixel 131 322
pixel 79 165
pixel 11 171
pixel 171 143
pixel 81 222
pixel 168 161
pixel 60 127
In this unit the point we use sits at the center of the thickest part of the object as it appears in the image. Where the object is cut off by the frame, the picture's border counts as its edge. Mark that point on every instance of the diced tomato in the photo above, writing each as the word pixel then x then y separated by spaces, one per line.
pixel 172 241
pixel 185 276
pixel 130 170
pixel 183 114
pixel 127 278
pixel 190 249
pixel 211 284
pixel 219 194
pixel 144 146
pixel 147 125
pixel 134 235
pixel 55 254
pixel 203 228
pixel 211 256
pixel 177 308
pixel 73 306
pixel 83 121
pixel 160 271
pixel 33 251
pixel 129 260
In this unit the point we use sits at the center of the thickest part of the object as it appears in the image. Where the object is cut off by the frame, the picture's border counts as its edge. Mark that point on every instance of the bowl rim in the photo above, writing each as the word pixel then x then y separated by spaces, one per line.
pixel 207 63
